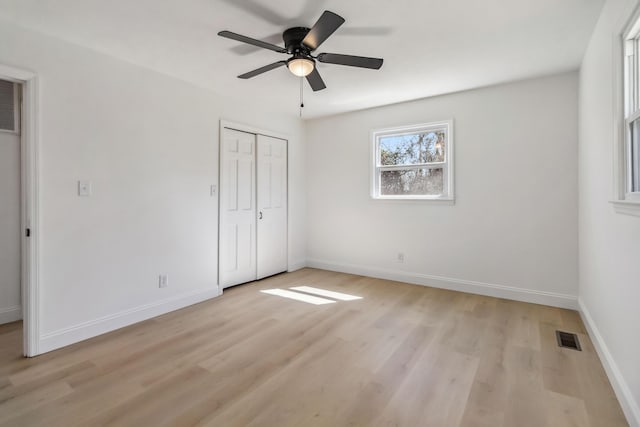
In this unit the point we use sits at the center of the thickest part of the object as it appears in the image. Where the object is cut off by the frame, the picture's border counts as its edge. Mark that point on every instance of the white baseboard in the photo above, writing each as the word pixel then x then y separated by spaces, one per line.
pixel 620 387
pixel 461 285
pixel 10 314
pixel 63 337
pixel 297 265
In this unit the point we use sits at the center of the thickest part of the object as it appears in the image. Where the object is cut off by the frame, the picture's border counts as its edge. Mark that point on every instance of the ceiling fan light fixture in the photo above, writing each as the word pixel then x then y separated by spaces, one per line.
pixel 299 45
pixel 300 66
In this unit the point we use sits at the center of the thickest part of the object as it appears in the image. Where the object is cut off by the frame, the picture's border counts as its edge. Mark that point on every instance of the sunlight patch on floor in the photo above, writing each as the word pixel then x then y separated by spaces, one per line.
pixel 298 296
pixel 326 293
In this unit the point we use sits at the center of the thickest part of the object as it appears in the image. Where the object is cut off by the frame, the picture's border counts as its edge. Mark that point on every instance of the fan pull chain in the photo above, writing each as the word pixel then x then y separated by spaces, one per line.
pixel 301 97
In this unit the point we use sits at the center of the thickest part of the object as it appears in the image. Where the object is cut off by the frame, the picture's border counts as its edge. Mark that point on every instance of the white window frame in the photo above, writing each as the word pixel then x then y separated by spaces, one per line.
pixel 626 111
pixel 447 166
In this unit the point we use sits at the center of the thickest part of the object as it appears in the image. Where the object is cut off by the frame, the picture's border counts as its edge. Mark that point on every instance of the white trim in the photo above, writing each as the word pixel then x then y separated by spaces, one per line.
pixel 619 131
pixel 461 285
pixel 297 265
pixel 30 200
pixel 620 387
pixel 447 165
pixel 70 335
pixel 632 197
pixel 626 207
pixel 31 217
pixel 16 75
pixel 399 201
pixel 250 129
pixel 621 116
pixel 10 314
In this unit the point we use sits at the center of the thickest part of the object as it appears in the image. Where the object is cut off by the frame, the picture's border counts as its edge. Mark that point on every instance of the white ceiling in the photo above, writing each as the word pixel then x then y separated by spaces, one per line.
pixel 430 47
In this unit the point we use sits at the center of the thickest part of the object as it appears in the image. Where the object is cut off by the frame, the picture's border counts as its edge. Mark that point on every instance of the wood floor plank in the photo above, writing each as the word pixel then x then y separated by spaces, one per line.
pixel 566 411
pixel 526 401
pixel 25 402
pixel 435 391
pixel 384 383
pixel 402 355
pixel 489 392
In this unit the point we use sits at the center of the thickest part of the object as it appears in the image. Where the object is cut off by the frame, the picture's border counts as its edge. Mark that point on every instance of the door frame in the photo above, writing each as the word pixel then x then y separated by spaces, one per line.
pixel 242 127
pixel 29 204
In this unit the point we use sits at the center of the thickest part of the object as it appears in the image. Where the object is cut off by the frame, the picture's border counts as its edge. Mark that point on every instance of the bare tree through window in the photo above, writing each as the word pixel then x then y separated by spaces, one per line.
pixel 412 163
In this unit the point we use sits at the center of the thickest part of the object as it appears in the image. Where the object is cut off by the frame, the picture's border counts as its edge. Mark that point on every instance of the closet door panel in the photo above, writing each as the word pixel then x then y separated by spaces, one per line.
pixel 237 259
pixel 272 206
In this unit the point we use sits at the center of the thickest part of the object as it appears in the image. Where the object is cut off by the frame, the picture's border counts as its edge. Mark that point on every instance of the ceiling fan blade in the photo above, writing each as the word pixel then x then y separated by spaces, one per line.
pixel 249 40
pixel 350 60
pixel 262 70
pixel 326 25
pixel 315 81
pixel 246 49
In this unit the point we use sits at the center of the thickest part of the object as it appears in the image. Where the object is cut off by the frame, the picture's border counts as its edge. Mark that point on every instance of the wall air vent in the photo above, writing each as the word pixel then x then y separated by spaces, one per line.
pixel 568 340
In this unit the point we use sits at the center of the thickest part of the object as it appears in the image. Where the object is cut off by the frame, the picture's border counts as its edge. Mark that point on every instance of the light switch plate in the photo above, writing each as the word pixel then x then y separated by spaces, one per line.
pixel 163 281
pixel 84 188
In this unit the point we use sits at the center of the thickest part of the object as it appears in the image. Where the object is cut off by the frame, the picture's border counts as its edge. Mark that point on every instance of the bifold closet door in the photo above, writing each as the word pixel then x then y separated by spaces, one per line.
pixel 272 206
pixel 237 232
pixel 253 207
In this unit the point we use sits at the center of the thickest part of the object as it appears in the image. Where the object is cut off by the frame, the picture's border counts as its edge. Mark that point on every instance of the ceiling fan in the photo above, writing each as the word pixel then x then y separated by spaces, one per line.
pixel 300 42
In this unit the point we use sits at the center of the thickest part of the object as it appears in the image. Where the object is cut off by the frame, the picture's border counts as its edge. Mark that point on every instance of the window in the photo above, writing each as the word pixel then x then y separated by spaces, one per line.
pixel 413 162
pixel 630 155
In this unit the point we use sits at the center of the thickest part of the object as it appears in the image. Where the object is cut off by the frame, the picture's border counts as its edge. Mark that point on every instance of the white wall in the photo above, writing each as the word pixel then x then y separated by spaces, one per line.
pixel 10 309
pixel 149 144
pixel 609 255
pixel 513 229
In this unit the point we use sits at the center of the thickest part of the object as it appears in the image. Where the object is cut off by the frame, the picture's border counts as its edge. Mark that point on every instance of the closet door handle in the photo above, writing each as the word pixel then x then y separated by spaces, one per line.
pixel 260 217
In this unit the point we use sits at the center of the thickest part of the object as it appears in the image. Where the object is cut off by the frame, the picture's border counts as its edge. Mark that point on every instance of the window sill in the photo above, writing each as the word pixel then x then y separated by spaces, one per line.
pixel 439 200
pixel 626 207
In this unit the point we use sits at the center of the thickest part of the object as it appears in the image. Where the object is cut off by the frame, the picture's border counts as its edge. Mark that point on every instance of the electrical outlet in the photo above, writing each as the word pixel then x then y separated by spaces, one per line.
pixel 84 188
pixel 400 257
pixel 163 281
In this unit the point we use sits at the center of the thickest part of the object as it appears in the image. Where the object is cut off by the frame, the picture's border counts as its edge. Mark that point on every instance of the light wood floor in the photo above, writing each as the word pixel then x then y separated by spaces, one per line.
pixel 403 355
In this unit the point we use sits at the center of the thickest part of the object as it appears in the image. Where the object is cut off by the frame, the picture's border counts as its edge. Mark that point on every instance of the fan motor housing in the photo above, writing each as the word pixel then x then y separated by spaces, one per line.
pixel 293 40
